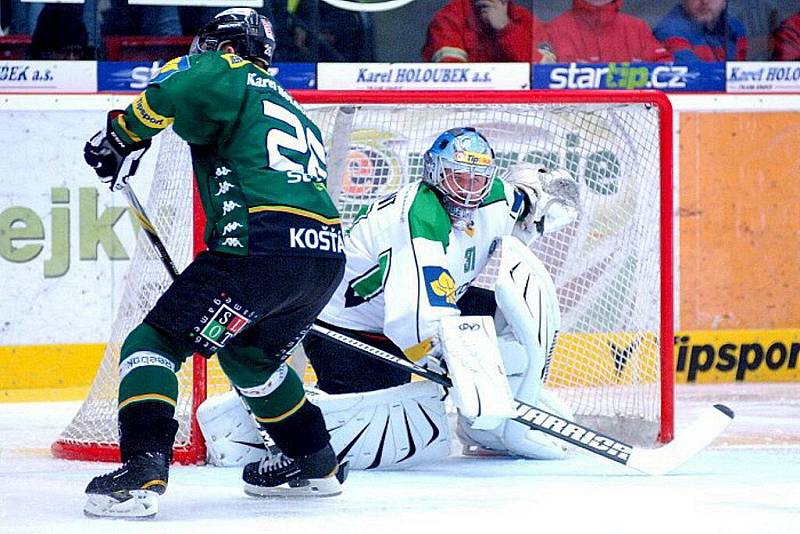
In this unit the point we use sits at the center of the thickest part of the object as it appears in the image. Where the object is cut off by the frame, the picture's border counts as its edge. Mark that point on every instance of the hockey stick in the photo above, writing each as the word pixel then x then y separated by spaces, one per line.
pixel 710 424
pixel 150 231
pixel 163 254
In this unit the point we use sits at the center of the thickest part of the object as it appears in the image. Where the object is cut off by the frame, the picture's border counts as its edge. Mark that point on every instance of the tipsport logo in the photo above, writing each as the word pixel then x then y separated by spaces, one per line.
pixel 619 76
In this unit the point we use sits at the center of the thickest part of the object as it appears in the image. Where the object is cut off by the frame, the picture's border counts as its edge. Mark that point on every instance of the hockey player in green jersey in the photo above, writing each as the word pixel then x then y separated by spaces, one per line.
pixel 274 258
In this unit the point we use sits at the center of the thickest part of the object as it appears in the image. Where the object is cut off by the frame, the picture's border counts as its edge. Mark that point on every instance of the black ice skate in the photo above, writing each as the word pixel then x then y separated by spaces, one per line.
pixel 316 475
pixel 130 491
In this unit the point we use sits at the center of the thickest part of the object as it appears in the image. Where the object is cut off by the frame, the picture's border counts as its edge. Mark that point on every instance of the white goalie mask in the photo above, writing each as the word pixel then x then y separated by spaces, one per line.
pixel 460 165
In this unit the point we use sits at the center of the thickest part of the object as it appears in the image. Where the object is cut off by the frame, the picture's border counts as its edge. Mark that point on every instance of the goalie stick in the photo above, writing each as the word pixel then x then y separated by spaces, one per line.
pixel 710 424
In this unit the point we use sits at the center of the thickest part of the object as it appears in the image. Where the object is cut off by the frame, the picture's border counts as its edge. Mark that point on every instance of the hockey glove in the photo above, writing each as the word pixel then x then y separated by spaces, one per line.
pixel 552 203
pixel 112 159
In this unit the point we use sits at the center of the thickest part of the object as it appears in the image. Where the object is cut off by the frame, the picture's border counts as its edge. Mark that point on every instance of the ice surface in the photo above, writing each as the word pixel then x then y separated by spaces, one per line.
pixel 747 482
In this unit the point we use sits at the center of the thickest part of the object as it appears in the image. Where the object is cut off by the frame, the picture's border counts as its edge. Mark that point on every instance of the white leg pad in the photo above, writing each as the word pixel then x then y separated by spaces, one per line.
pixel 480 388
pixel 392 428
pixel 230 432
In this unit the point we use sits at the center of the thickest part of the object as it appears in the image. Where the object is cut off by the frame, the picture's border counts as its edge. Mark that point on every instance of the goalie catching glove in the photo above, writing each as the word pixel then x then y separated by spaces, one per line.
pixel 552 200
pixel 112 159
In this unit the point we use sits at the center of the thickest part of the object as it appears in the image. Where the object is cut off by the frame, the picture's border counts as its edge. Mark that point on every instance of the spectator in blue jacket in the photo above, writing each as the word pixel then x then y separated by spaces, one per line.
pixel 702 30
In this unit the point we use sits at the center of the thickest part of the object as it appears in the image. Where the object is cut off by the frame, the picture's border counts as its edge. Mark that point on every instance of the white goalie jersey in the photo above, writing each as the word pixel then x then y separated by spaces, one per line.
pixel 405 251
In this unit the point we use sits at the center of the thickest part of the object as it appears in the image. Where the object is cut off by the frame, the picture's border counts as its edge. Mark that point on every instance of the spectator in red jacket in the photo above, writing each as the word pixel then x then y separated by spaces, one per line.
pixel 703 30
pixel 787 40
pixel 594 31
pixel 486 31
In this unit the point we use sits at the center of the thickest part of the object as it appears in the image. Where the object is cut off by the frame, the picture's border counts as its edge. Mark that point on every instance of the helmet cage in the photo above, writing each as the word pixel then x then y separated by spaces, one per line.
pixel 463 184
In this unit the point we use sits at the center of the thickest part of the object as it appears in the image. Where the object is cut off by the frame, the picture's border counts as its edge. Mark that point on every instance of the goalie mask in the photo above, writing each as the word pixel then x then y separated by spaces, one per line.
pixel 249 33
pixel 460 165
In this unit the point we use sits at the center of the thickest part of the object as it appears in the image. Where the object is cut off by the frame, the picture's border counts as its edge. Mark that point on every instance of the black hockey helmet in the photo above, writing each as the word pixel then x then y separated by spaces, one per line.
pixel 248 32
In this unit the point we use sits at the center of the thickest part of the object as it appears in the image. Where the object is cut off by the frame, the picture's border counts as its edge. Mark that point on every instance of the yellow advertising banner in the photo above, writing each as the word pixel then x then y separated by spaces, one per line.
pixel 705 357
pixel 701 357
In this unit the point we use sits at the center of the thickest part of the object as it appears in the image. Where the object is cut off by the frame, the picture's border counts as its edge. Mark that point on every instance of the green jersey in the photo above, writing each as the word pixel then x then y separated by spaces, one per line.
pixel 258 159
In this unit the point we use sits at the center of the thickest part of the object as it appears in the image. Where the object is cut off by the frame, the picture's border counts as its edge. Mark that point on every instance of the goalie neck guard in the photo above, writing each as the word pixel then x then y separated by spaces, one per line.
pixel 249 33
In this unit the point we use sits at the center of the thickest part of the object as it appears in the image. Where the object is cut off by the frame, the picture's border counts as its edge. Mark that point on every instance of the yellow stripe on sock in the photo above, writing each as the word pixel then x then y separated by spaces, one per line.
pixel 146 397
pixel 284 415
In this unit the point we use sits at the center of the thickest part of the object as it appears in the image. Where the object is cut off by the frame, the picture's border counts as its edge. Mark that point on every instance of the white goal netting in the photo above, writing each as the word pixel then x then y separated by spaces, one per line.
pixel 607 266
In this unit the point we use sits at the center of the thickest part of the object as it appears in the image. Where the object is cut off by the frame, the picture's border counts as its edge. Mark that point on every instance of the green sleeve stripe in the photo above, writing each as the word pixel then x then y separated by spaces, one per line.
pixel 427 217
pixel 372 282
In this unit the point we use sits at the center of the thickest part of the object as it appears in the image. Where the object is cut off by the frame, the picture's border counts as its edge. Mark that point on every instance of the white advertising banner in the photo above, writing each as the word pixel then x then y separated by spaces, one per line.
pixel 763 77
pixel 65 239
pixel 416 76
pixel 48 76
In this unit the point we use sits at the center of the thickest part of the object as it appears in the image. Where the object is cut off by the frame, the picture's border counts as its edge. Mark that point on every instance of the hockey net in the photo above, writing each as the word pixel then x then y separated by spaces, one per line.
pixel 612 267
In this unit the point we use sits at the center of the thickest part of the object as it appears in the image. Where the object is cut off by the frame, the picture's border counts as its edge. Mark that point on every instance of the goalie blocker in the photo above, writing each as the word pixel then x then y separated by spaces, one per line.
pixel 407 425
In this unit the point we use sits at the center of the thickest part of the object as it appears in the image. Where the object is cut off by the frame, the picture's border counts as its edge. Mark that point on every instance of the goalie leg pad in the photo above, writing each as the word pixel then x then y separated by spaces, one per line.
pixel 480 388
pixel 232 438
pixel 527 322
pixel 393 428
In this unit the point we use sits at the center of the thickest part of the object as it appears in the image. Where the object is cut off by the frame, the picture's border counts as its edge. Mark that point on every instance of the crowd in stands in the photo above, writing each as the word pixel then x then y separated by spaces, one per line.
pixel 589 31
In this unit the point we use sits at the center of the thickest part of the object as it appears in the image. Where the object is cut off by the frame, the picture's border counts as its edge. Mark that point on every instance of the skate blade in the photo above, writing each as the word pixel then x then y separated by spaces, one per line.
pixel 482 452
pixel 313 487
pixel 141 504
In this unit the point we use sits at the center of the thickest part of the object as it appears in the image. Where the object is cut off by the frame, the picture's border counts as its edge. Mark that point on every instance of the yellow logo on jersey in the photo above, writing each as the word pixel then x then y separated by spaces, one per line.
pixel 234 61
pixel 445 286
pixel 148 117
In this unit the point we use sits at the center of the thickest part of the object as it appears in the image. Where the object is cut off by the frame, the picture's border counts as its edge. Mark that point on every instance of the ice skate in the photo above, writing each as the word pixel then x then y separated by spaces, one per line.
pixel 132 490
pixel 315 475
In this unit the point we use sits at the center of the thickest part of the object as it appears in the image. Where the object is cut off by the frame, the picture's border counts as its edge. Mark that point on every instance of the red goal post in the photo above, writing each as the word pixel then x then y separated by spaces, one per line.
pixel 613 268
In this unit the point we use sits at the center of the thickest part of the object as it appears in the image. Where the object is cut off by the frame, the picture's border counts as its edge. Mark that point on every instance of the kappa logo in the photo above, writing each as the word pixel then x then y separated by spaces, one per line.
pixel 234 242
pixel 224 187
pixel 440 286
pixel 229 205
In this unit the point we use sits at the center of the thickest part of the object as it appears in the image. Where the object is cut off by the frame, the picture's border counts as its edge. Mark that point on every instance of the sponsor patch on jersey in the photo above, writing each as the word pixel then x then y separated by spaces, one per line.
pixel 222 320
pixel 170 67
pixel 440 286
pixel 146 115
pixel 234 61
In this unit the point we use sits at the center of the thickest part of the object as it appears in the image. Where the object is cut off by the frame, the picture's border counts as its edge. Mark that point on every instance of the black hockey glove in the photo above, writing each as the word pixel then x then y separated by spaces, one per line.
pixel 113 160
